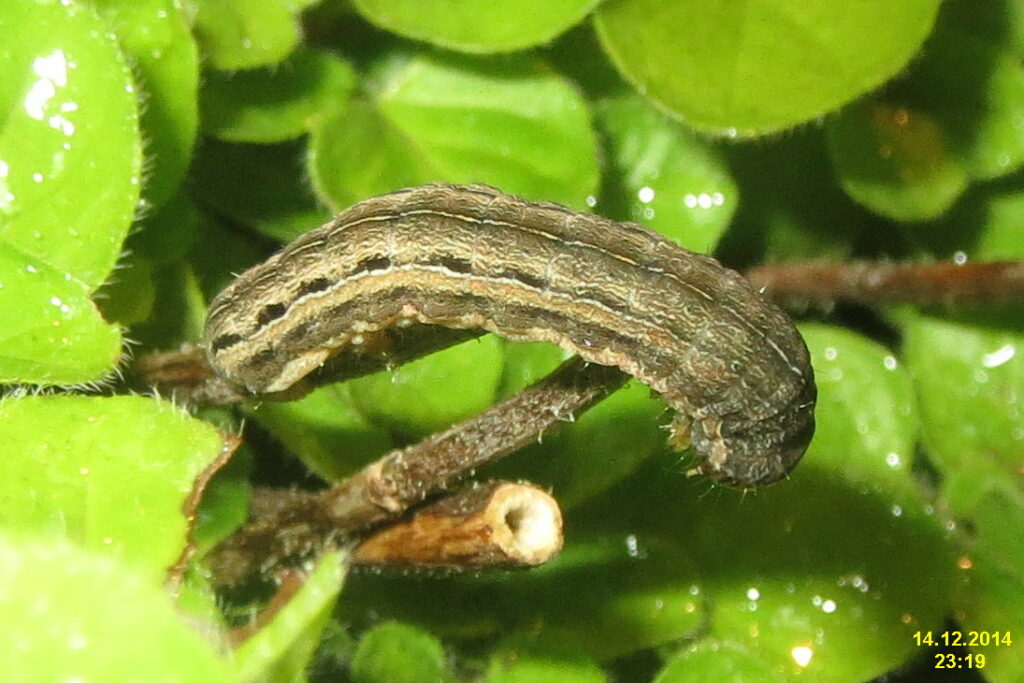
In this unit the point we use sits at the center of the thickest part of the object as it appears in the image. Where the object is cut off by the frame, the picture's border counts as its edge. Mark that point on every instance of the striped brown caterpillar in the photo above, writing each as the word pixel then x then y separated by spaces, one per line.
pixel 405 273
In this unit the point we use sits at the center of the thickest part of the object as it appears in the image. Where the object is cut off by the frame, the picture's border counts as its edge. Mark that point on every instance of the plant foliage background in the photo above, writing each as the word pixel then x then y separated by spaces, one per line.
pixel 151 148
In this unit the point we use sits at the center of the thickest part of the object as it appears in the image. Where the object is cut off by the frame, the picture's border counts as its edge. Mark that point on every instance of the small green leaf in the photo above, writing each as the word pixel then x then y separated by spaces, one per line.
pixel 515 668
pixel 261 186
pixel 433 392
pixel 743 68
pixel 970 381
pixel 795 209
pixel 276 103
pixel 998 217
pixel 974 86
pixel 69 119
pixel 326 430
pixel 127 297
pixel 894 160
pixel 110 474
pixel 716 660
pixel 179 309
pixel 398 653
pixel 52 332
pixel 165 61
pixel 245 34
pixel 475 26
pixel 867 422
pixel 169 233
pixel 664 176
pixel 281 650
pixel 512 123
pixel 599 448
pixel 525 363
pixel 82 616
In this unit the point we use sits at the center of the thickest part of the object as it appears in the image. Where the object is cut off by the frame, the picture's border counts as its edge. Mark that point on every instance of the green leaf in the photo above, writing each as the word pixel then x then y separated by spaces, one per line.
pixel 997 216
pixel 475 26
pixel 326 430
pixel 224 505
pixel 970 381
pixel 895 160
pixel 52 332
pixel 127 297
pixel 867 422
pixel 663 176
pixel 827 574
pixel 512 123
pixel 165 61
pixel 260 186
pixel 794 209
pixel 277 103
pixel 991 592
pixel 179 309
pixel 599 599
pixel 431 393
pixel 168 234
pixel 69 118
pixel 110 474
pixel 974 86
pixel 281 650
pixel 716 660
pixel 514 668
pixel 607 598
pixel 750 67
pixel 598 449
pixel 245 34
pixel 83 616
pixel 398 653
pixel 525 363
pixel 795 581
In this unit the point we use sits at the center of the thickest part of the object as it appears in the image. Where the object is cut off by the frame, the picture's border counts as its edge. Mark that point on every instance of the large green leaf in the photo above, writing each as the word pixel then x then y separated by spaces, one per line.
pixel 743 67
pixel 111 474
pixel 69 118
pixel 601 598
pixel 513 124
pixel 73 615
pixel 281 650
pixel 276 103
pixel 664 176
pixel 827 574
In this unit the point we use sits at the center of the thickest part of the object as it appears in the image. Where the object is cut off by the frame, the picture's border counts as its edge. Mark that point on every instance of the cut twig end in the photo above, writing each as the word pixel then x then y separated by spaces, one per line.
pixel 496 525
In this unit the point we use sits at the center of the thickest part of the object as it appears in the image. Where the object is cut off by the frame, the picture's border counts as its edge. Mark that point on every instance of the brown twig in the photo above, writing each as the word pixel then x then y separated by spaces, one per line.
pixel 292 526
pixel 389 486
pixel 871 283
pixel 494 525
pixel 185 375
